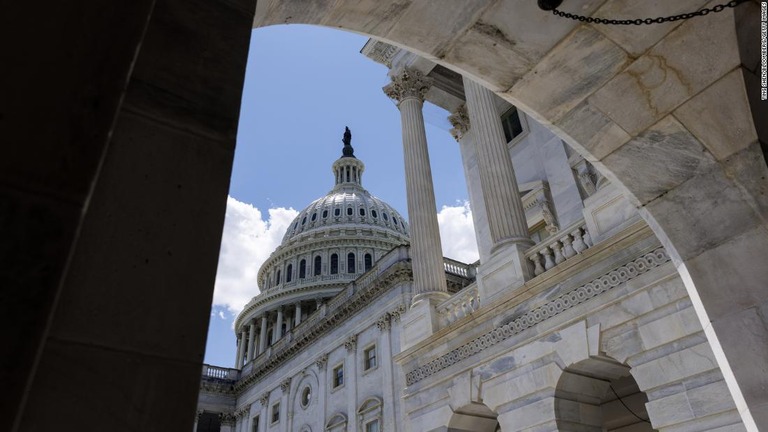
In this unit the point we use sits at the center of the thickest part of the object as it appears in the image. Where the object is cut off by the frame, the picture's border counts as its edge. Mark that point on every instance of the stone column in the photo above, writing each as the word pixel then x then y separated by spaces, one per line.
pixel 408 89
pixel 240 345
pixel 503 206
pixel 322 389
pixel 264 419
pixel 384 357
pixel 298 313
pixel 251 339
pixel 278 330
pixel 197 420
pixel 350 382
pixel 263 333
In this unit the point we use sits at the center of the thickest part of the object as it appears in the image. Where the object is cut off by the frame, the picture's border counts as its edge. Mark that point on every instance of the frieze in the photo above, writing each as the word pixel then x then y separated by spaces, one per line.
pixel 542 313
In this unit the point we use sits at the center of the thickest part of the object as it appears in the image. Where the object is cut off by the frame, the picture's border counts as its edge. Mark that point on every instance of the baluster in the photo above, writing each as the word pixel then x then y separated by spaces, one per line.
pixel 558 252
pixel 578 243
pixel 587 238
pixel 537 268
pixel 567 247
pixel 548 261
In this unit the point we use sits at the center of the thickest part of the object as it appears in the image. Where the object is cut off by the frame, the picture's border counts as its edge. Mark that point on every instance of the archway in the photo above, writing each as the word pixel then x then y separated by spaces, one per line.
pixel 600 395
pixel 474 417
pixel 136 120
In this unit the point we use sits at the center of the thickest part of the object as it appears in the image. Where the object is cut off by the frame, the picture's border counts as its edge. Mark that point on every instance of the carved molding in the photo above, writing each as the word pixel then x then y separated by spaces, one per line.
pixel 264 399
pixel 322 362
pixel 540 314
pixel 408 84
pixel 460 122
pixel 285 385
pixel 383 323
pixel 351 343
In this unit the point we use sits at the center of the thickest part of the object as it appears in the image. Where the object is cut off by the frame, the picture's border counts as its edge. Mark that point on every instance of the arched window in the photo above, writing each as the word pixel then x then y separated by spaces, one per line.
pixel 374 214
pixel 302 269
pixel 277 278
pixel 362 212
pixel 314 216
pixel 325 214
pixel 386 218
pixel 337 212
pixel 368 261
pixel 334 264
pixel 318 263
pixel 350 263
pixel 289 273
pixel 349 211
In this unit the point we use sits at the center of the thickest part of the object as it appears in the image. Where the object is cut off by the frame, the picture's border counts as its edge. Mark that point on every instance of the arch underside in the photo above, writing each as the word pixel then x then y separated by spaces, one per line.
pixel 662 111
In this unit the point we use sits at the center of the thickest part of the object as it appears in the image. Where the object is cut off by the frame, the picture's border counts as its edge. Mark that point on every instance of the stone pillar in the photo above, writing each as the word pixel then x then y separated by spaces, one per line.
pixel 298 313
pixel 466 139
pixel 278 330
pixel 240 344
pixel 264 419
pixel 408 89
pixel 322 389
pixel 197 420
pixel 227 420
pixel 507 266
pixel 285 414
pixel 263 333
pixel 251 339
pixel 350 382
pixel 384 358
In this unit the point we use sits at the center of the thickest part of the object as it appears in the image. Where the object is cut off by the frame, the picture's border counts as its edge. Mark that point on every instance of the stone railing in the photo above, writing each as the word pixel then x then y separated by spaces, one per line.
pixel 561 246
pixel 458 268
pixel 217 372
pixel 458 305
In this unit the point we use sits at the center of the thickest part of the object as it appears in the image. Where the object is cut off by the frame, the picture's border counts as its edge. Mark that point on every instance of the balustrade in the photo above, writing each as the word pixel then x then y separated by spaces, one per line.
pixel 217 372
pixel 561 246
pixel 459 305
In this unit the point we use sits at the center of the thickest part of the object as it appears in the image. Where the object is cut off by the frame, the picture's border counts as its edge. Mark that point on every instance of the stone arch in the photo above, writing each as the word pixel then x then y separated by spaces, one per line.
pixel 474 417
pixel 337 423
pixel 600 394
pixel 307 379
pixel 630 106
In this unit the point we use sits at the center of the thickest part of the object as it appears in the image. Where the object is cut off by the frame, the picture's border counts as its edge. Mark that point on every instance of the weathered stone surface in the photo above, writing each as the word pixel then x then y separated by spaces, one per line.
pixel 559 82
pixel 658 160
pixel 591 132
pixel 722 131
pixel 637 39
pixel 686 61
pixel 366 16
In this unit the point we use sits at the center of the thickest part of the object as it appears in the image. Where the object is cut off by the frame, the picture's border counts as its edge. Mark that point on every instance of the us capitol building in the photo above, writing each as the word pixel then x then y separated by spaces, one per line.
pixel 573 319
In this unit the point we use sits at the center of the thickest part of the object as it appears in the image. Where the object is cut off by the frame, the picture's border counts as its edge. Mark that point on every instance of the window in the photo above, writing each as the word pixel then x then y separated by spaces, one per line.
pixel 368 261
pixel 289 273
pixel 394 220
pixel 338 375
pixel 337 212
pixel 349 211
pixel 306 396
pixel 304 220
pixel 255 424
pixel 372 426
pixel 374 214
pixel 510 122
pixel 302 269
pixel 277 278
pixel 276 412
pixel 325 214
pixel 350 262
pixel 362 212
pixel 314 216
pixel 318 263
pixel 334 264
pixel 369 358
pixel 384 215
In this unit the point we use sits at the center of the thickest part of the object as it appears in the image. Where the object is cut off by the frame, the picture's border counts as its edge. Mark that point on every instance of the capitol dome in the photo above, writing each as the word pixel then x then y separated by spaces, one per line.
pixel 333 241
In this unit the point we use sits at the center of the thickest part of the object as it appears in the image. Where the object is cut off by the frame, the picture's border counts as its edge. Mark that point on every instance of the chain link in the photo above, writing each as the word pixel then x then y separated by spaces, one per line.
pixel 648 21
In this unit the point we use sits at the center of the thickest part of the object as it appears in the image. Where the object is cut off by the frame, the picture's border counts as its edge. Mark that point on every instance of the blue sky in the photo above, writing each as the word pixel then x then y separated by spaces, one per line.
pixel 303 85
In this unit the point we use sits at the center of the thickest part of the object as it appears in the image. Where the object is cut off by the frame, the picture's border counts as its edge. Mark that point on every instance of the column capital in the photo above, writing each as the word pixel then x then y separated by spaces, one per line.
pixel 264 399
pixel 383 323
pixel 351 343
pixel 227 418
pixel 285 385
pixel 460 122
pixel 408 84
pixel 322 361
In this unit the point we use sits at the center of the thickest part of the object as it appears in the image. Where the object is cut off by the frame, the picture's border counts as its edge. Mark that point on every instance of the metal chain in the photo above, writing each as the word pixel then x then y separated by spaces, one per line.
pixel 659 20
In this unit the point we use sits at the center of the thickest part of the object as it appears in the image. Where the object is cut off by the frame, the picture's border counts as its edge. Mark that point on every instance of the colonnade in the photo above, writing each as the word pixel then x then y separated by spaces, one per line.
pixel 267 328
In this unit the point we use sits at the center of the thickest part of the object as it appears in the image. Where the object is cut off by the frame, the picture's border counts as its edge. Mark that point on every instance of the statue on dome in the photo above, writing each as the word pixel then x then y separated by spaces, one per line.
pixel 347 151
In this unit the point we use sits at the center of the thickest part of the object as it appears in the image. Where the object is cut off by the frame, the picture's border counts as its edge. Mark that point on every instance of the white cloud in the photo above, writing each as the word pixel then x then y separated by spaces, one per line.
pixel 457 234
pixel 246 243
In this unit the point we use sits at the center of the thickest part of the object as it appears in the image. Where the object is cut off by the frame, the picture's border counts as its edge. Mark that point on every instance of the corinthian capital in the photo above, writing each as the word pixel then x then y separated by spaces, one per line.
pixel 409 83
pixel 460 122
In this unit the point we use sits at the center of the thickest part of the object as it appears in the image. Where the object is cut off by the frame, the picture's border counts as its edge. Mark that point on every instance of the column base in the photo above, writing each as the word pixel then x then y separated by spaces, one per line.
pixel 420 321
pixel 506 270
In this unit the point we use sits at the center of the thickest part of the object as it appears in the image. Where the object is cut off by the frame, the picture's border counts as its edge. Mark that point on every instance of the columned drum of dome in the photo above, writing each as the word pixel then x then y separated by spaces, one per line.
pixel 333 241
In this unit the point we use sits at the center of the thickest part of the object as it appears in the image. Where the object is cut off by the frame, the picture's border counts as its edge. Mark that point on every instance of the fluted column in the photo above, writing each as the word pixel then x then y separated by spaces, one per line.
pixel 408 89
pixel 278 325
pixel 240 346
pixel 298 313
pixel 504 208
pixel 251 340
pixel 263 333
